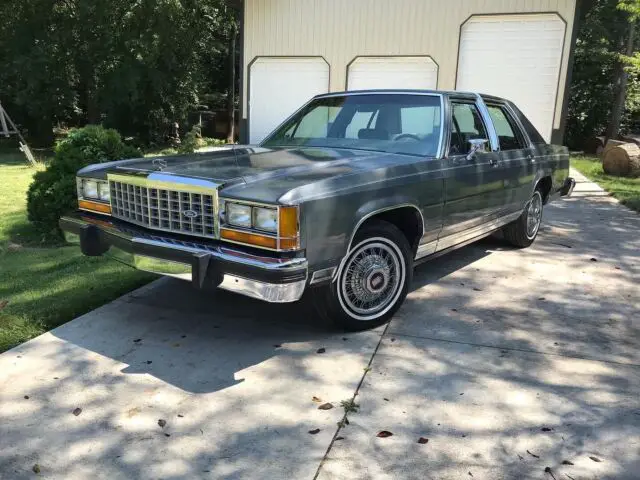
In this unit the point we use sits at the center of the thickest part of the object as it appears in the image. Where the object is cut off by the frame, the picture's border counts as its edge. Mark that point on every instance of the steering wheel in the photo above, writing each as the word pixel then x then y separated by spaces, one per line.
pixel 409 136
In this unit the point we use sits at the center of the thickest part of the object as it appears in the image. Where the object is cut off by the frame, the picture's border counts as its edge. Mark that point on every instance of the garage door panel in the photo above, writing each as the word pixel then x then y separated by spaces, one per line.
pixel 278 87
pixel 516 57
pixel 367 73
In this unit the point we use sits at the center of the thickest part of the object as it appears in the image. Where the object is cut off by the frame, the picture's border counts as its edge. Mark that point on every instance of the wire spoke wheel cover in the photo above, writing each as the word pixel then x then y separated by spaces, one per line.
pixel 534 215
pixel 371 279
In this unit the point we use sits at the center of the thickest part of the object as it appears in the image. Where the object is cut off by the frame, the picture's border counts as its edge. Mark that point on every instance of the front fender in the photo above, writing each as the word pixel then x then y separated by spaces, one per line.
pixel 380 205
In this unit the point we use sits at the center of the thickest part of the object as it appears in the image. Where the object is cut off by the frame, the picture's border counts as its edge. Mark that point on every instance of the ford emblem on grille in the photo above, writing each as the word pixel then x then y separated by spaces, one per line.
pixel 190 213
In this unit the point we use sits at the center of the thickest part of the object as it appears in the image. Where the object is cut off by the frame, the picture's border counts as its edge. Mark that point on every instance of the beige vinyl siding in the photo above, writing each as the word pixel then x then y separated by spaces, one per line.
pixel 340 30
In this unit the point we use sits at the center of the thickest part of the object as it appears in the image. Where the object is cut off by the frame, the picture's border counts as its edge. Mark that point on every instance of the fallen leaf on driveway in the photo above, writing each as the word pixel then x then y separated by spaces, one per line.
pixel 321 350
pixel 316 399
pixel 137 340
pixel 314 431
pixel 423 440
pixel 595 459
pixel 77 411
pixel 549 471
pixel 325 406
pixel 384 434
pixel 162 423
pixel 593 259
pixel 546 429
pixel 567 462
pixel 132 412
pixel 533 454
pixel 26 397
pixel 339 438
pixel 36 468
pixel 476 289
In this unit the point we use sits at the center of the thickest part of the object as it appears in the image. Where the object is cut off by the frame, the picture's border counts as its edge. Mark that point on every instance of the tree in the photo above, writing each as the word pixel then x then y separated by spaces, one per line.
pixel 624 61
pixel 137 66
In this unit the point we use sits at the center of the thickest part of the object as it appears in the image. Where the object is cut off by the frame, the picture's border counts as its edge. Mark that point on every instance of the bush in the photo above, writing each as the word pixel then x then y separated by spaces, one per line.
pixel 192 141
pixel 53 191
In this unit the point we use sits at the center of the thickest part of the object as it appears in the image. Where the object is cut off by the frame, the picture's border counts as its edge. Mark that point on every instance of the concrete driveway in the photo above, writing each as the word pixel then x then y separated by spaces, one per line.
pixel 507 363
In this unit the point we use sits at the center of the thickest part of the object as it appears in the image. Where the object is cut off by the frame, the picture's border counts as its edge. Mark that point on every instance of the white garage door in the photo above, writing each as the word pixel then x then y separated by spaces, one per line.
pixel 278 87
pixel 516 57
pixel 392 72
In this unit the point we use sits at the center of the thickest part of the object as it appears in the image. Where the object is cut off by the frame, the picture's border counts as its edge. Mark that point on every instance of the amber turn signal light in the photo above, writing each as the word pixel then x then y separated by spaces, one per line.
pixel 248 238
pixel 94 206
pixel 288 228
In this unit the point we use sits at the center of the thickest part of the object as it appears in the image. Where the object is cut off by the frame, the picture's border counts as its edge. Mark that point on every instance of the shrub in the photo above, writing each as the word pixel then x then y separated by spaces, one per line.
pixel 53 191
pixel 192 141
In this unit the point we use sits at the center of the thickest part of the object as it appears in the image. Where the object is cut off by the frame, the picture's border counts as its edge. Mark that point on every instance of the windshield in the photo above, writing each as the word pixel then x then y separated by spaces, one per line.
pixel 395 123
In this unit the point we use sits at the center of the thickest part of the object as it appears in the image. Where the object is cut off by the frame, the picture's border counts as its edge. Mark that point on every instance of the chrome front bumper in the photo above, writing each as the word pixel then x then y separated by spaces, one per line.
pixel 272 279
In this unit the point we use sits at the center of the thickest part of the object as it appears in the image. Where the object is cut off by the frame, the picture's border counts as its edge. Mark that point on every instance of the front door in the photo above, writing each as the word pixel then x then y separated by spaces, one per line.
pixel 474 182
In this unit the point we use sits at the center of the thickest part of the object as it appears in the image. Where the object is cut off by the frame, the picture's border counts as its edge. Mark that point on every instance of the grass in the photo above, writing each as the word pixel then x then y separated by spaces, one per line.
pixel 627 190
pixel 41 285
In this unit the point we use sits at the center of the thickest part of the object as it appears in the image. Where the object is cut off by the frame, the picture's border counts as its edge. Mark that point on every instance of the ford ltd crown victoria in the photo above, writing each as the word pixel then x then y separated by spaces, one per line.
pixel 343 199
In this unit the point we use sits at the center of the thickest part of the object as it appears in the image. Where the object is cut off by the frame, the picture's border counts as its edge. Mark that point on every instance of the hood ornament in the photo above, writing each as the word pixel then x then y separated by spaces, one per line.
pixel 159 163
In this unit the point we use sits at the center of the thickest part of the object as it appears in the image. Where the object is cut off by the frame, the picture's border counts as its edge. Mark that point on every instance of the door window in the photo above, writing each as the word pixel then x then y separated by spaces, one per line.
pixel 362 119
pixel 466 125
pixel 508 132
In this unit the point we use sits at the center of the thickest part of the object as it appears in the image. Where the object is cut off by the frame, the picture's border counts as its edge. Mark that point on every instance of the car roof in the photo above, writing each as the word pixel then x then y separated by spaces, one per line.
pixel 411 92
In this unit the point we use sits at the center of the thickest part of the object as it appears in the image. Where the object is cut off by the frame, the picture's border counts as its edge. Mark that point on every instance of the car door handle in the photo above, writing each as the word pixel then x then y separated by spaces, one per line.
pixel 532 159
pixel 493 162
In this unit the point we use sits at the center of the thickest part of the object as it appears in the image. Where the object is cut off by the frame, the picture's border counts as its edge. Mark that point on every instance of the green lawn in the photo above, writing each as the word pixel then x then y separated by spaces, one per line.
pixel 627 190
pixel 43 286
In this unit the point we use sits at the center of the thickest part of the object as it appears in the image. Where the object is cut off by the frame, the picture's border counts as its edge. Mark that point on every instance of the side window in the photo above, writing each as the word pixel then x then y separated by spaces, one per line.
pixel 423 120
pixel 508 133
pixel 314 124
pixel 466 125
pixel 361 119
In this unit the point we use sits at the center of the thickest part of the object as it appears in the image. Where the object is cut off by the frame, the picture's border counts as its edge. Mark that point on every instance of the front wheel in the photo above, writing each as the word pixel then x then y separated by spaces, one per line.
pixel 523 231
pixel 372 281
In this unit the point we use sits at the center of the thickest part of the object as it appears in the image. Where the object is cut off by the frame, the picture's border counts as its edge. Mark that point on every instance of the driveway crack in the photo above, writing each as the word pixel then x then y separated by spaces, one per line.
pixel 344 420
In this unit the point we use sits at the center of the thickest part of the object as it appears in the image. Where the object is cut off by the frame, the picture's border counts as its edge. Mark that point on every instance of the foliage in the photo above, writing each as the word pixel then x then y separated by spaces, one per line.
pixel 627 190
pixel 191 142
pixel 599 55
pixel 53 191
pixel 592 91
pixel 136 66
pixel 45 285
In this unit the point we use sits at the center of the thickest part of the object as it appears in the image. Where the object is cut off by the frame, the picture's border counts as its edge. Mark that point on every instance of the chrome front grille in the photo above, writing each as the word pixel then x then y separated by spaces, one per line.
pixel 177 211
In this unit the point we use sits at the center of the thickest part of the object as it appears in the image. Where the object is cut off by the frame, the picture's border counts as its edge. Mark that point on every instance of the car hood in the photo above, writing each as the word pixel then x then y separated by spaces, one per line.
pixel 256 173
pixel 229 166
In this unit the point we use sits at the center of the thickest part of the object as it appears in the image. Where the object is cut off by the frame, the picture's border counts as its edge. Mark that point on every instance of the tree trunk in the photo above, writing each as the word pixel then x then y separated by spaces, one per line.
pixel 613 130
pixel 231 95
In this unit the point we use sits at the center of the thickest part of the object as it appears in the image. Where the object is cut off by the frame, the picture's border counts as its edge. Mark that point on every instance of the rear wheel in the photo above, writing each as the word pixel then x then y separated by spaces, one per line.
pixel 523 231
pixel 372 281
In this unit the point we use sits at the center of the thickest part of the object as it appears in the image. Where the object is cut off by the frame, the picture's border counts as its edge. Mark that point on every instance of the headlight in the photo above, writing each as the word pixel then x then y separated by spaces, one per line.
pixel 265 219
pixel 90 189
pixel 239 215
pixel 103 191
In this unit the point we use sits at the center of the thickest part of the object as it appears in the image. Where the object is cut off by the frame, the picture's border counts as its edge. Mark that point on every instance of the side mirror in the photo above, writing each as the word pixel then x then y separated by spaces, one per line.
pixel 477 145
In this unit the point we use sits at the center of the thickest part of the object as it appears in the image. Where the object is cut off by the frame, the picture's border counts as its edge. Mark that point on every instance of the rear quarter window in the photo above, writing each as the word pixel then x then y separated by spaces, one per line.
pixel 532 132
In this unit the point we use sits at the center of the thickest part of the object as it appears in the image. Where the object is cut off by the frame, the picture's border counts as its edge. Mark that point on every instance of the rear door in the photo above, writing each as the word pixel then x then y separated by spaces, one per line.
pixel 516 155
pixel 474 184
